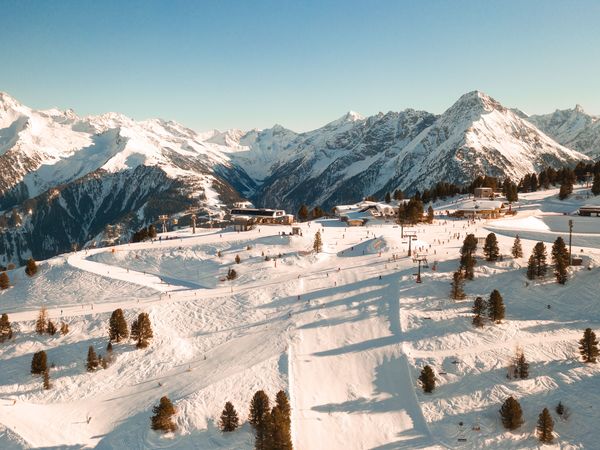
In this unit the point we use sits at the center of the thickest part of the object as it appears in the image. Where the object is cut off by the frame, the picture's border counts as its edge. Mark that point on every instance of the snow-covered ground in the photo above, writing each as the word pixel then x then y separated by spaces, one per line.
pixel 344 332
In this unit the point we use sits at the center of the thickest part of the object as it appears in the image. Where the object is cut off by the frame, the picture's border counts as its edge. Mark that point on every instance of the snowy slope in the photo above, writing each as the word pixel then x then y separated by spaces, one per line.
pixel 345 333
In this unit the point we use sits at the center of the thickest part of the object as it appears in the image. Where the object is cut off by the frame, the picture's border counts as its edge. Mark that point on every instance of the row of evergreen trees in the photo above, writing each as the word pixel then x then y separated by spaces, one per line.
pixel 537 266
pixel 272 426
pixel 31 269
pixel 144 233
pixel 512 418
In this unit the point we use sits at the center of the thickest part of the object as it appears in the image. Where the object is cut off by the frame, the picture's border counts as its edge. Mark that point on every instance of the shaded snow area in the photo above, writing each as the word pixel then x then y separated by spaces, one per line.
pixel 344 332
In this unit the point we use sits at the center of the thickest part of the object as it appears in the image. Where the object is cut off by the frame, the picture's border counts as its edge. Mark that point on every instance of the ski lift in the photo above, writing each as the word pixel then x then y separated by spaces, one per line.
pixel 461 432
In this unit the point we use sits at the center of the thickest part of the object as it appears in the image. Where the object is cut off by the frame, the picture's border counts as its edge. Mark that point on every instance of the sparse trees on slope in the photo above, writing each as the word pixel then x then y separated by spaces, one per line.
pixel 318 243
pixel 490 248
pixel 511 413
pixel 162 420
pixel 39 362
pixel 31 267
pixel 427 379
pixel 141 330
pixel 5 328
pixel 229 418
pixel 496 308
pixel 4 281
pixel 457 291
pixel 588 346
pixel 517 250
pixel 92 360
pixel 545 427
pixel 537 266
pixel 117 326
pixel 560 259
pixel 41 324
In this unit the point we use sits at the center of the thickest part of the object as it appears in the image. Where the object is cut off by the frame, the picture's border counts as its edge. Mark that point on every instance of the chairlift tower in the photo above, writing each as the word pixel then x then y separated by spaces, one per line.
pixel 193 216
pixel 411 235
pixel 420 259
pixel 163 218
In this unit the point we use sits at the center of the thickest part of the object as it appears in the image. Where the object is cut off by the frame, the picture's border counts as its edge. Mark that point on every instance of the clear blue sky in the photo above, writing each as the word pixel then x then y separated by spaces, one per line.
pixel 245 64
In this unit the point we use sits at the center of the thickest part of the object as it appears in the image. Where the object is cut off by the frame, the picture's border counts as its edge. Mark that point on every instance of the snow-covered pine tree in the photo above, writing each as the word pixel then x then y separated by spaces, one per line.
pixel 496 308
pixel 511 414
pixel 457 288
pixel 545 427
pixel 588 346
pixel 4 281
pixel 92 360
pixel 490 248
pixel 31 267
pixel 229 418
pixel 517 249
pixel 5 328
pixel 39 362
pixel 318 243
pixel 117 326
pixel 144 330
pixel 162 420
pixel 427 379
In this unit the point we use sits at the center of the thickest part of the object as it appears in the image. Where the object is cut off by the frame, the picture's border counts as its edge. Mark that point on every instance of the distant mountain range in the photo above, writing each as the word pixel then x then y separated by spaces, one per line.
pixel 67 180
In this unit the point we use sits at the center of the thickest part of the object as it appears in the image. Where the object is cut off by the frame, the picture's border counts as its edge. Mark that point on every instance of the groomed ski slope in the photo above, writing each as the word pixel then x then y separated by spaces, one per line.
pixel 344 332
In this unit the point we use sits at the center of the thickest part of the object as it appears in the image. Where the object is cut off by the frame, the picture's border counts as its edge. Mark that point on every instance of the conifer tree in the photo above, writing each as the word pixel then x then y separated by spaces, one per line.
pixel 565 190
pixel 39 362
pixel 490 248
pixel 117 326
pixel 237 259
pixel 511 413
pixel 143 330
pixel 545 427
pixel 430 214
pixel 467 256
pixel 31 268
pixel 5 328
pixel 427 379
pixel 318 243
pixel 560 259
pixel 537 266
pixel 259 405
pixel 64 328
pixel 229 418
pixel 263 437
pixel 152 231
pixel 596 184
pixel 588 346
pixel 41 324
pixel 281 431
pixel 162 420
pixel 521 365
pixel 517 250
pixel 479 308
pixel 92 360
pixel 496 308
pixel 4 281
pixel 457 291
pixel 388 197
pixel 51 328
pixel 303 213
pixel 134 330
pixel 47 384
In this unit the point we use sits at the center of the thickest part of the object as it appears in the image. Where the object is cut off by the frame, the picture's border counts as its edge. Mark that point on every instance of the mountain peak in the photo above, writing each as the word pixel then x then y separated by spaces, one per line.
pixel 579 109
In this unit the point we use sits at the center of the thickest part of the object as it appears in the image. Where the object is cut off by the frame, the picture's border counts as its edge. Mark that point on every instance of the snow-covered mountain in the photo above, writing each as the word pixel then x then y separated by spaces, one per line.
pixel 573 128
pixel 74 175
pixel 353 156
pixel 66 179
